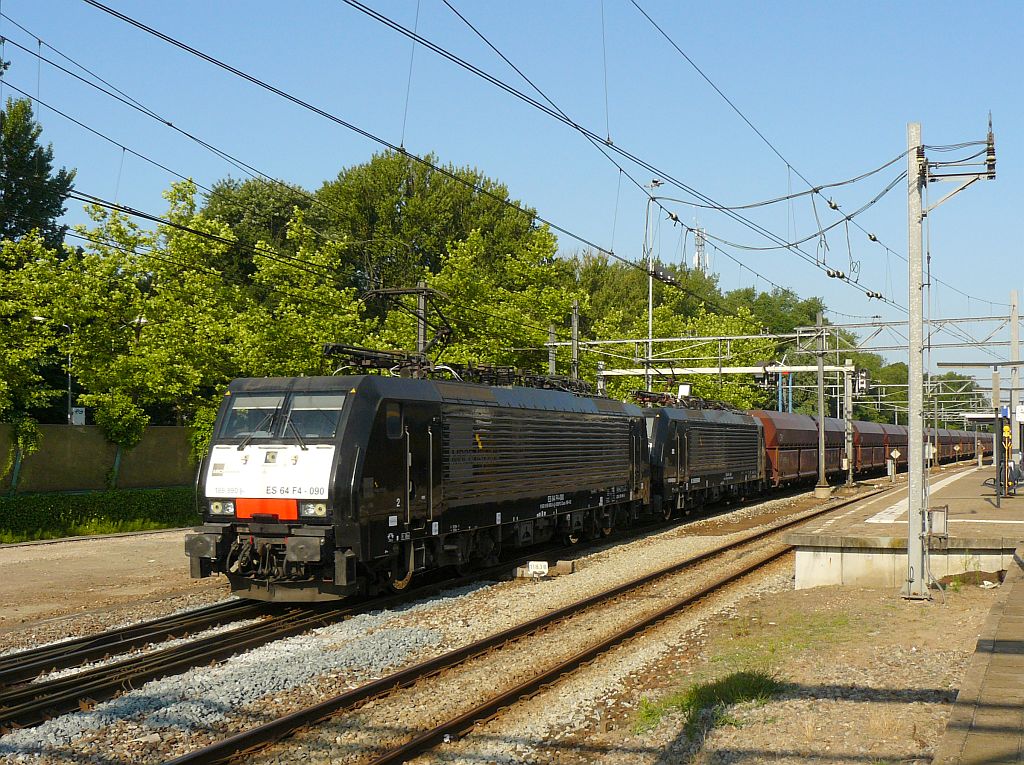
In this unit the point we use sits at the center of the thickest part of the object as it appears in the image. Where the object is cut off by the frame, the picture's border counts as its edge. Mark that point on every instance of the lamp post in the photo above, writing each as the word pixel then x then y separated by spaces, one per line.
pixel 68 367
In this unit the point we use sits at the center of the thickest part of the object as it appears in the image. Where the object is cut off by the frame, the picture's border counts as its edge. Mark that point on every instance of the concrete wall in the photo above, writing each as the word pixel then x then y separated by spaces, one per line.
pixel 69 459
pixel 160 459
pixel 78 458
pixel 887 567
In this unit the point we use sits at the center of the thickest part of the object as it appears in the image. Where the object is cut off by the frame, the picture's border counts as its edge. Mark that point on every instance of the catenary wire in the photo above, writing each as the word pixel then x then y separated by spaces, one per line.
pixel 593 137
pixel 275 256
pixel 219 152
pixel 161 255
pixel 371 136
pixel 952 147
pixel 631 264
pixel 241 165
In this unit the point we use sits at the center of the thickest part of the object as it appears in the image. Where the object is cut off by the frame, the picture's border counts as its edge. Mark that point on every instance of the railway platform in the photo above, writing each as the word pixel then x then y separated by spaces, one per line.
pixel 986 725
pixel 866 544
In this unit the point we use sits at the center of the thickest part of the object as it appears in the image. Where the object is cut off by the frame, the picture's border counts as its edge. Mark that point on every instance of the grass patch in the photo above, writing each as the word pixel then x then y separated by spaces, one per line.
pixel 746 666
pixel 756 644
pixel 706 705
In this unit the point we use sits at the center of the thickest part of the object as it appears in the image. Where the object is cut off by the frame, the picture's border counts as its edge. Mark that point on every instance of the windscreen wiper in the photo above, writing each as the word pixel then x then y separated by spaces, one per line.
pixel 298 437
pixel 268 420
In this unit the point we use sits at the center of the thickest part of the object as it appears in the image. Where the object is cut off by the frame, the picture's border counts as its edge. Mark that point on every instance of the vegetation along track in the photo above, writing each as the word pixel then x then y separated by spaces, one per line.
pixel 246 742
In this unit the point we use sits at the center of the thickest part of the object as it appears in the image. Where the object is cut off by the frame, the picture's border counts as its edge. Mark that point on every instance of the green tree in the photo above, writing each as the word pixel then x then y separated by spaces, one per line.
pixel 495 305
pixel 256 210
pixel 399 217
pixel 780 310
pixel 149 319
pixel 613 285
pixel 31 195
pixel 737 390
pixel 25 339
pixel 306 306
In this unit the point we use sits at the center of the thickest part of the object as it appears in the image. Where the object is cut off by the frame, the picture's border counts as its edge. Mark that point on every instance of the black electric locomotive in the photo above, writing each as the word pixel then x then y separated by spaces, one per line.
pixel 703 455
pixel 317 488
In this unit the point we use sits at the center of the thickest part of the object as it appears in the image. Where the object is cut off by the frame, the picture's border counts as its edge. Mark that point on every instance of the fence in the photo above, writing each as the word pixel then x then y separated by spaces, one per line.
pixel 79 458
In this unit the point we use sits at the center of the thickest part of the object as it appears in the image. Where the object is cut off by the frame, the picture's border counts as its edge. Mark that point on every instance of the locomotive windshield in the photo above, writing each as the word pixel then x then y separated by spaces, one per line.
pixel 252 416
pixel 316 415
pixel 277 415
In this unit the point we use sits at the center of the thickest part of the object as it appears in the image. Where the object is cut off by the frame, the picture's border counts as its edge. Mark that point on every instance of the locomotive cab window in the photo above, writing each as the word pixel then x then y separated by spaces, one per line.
pixel 252 416
pixel 315 415
pixel 393 419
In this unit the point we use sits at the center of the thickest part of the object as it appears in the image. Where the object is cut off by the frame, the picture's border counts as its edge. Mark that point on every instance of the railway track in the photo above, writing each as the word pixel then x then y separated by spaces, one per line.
pixel 247 742
pixel 33 702
pixel 24 703
pixel 24 665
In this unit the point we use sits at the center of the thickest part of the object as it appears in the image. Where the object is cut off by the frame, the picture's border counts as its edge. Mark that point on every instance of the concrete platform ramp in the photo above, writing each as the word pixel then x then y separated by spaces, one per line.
pixel 866 544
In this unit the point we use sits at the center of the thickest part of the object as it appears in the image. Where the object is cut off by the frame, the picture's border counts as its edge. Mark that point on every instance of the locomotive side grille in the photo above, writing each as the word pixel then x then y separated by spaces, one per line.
pixel 722 450
pixel 493 454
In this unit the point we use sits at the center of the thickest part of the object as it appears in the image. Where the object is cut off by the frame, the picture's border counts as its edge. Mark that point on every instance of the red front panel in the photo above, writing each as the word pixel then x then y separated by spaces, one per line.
pixel 284 509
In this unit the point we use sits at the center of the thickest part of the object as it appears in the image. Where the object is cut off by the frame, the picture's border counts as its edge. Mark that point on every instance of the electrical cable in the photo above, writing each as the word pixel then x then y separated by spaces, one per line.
pixel 176 174
pixel 303 296
pixel 555 112
pixel 127 100
pixel 152 252
pixel 369 135
pixel 375 138
pixel 799 194
pixel 107 138
pixel 604 60
pixel 280 258
pixel 872 237
pixel 596 144
pixel 269 254
pixel 847 218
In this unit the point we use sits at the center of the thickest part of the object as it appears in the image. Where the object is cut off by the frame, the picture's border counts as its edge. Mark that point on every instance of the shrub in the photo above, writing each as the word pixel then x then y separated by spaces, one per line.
pixel 52 515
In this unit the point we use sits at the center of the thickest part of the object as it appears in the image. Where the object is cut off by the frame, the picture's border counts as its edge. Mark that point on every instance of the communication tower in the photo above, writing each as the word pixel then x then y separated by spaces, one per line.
pixel 700 254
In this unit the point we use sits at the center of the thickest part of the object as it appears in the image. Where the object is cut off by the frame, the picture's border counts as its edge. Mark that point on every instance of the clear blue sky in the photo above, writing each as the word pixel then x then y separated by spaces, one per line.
pixel 831 85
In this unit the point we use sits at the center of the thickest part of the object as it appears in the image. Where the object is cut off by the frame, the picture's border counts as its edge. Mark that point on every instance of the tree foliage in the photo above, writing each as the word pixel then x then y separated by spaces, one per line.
pixel 32 196
pixel 399 217
pixel 256 279
pixel 146 315
pixel 258 212
pixel 26 337
pixel 499 309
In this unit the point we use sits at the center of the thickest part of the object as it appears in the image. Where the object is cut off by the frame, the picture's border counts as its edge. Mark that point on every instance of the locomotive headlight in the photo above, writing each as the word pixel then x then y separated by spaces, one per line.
pixel 313 509
pixel 222 507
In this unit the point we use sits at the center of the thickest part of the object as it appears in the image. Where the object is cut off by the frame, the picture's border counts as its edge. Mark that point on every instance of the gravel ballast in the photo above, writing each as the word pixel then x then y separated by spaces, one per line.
pixel 174 715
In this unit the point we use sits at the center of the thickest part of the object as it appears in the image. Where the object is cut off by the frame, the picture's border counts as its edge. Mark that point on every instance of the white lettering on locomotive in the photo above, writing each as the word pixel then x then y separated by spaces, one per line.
pixel 291 472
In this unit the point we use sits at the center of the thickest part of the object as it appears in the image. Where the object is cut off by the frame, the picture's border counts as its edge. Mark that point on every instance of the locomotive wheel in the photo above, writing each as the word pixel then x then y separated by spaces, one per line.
pixel 606 531
pixel 573 537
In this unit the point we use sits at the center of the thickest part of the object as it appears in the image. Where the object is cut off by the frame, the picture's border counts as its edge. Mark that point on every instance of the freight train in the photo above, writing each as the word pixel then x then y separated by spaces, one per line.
pixel 322 488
